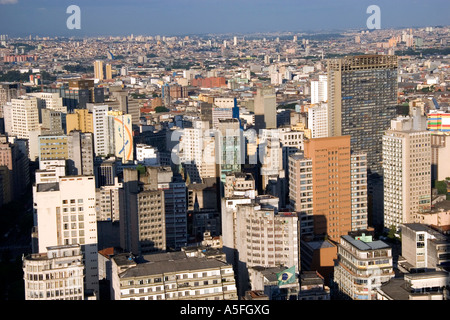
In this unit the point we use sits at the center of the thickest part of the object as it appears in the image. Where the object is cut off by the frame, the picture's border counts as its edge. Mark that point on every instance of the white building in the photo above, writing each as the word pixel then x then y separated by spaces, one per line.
pixel 147 155
pixel 54 275
pixel 358 163
pixel 318 120
pixel 64 214
pixel 319 91
pixel 362 266
pixel 172 276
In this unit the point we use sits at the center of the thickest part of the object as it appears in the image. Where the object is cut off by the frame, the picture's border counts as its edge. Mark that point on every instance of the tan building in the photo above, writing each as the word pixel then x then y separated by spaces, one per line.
pixel 98 70
pixel 53 148
pixel 81 120
pixel 320 186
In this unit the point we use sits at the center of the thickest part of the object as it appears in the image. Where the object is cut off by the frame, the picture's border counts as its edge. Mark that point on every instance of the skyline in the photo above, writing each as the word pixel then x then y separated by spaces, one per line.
pixel 19 18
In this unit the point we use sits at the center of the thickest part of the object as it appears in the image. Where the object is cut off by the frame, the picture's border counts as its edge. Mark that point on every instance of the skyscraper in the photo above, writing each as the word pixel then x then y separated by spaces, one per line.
pixel 320 187
pixel 407 170
pixel 265 108
pixel 362 99
pixel 64 214
pixel 98 70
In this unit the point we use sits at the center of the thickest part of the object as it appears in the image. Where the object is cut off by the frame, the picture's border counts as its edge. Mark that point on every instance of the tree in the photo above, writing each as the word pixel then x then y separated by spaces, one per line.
pixel 161 109
pixel 441 187
pixel 392 232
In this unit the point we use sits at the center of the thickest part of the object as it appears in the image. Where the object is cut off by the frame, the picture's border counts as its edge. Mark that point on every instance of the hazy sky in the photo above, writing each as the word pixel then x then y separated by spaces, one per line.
pixel 179 17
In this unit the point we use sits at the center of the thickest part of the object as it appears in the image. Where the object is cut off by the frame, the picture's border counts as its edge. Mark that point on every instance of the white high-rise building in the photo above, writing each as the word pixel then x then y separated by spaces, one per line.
pixel 21 117
pixel 102 145
pixel 318 120
pixel 407 169
pixel 319 91
pixel 64 214
pixel 358 176
pixel 147 155
pixel 197 151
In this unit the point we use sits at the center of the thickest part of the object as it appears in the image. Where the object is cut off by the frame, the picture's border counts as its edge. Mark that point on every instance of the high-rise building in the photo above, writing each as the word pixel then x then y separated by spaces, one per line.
pixel 407 170
pixel 80 152
pixel 64 214
pixel 142 218
pixel 440 153
pixel 8 91
pixel 98 70
pixel 257 236
pixel 320 187
pixel 108 71
pixel 318 120
pixel 265 108
pixel 21 117
pixel 230 152
pixel 362 99
pixel 319 90
pixel 81 120
pixel 120 129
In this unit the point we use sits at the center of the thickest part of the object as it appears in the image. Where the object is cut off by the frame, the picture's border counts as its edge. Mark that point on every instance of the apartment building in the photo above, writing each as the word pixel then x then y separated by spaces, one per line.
pixel 362 266
pixel 171 276
pixel 54 275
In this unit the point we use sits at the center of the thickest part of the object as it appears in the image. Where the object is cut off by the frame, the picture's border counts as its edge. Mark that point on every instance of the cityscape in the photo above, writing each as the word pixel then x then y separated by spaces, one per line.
pixel 244 164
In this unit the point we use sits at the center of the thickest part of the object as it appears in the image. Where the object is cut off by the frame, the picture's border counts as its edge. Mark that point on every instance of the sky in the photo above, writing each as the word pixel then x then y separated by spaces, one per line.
pixel 19 18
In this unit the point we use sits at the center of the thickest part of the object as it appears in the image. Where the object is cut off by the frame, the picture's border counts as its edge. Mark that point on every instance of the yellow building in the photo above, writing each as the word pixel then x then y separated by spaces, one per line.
pixel 53 148
pixel 108 72
pixel 81 120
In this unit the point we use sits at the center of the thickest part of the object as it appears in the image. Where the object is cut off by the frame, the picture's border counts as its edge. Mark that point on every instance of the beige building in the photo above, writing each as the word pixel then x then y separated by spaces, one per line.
pixel 362 266
pixel 407 170
pixel 64 214
pixel 54 275
pixel 172 276
pixel 81 120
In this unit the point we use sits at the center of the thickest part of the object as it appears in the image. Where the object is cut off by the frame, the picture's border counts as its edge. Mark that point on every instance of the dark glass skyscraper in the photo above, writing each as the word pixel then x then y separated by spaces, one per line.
pixel 362 99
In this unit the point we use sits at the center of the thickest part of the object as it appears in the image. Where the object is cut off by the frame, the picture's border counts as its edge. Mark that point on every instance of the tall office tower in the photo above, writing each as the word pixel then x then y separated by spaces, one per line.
pixel 64 214
pixel 102 145
pixel 261 237
pixel 360 217
pixel 362 99
pixel 49 100
pixel 318 120
pixel 108 71
pixel 98 70
pixel 81 120
pixel 320 187
pixel 54 275
pixel 80 152
pixel 265 108
pixel 230 152
pixel 407 169
pixel 319 89
pixel 197 152
pixel 362 266
pixel 440 153
pixel 52 122
pixel 14 169
pixel 175 203
pixel 224 108
pixel 108 201
pixel 142 218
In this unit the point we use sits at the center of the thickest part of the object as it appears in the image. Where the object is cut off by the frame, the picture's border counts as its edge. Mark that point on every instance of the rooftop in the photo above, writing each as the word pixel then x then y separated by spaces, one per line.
pixel 364 246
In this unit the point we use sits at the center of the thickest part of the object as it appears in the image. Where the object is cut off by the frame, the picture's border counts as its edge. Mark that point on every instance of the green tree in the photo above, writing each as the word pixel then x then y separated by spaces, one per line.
pixel 161 109
pixel 441 187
